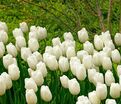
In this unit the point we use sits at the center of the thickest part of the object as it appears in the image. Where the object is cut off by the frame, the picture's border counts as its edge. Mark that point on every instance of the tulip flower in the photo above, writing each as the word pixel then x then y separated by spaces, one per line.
pixel 70 52
pixel 96 59
pixel 106 36
pixel 3 26
pixel 110 101
pixel 24 27
pixel 17 32
pixel 3 36
pixel 45 93
pixel 33 28
pixel 119 70
pixel 49 50
pixel 56 41
pixel 68 36
pixel 2 86
pixel 107 50
pixel 110 44
pixel 81 54
pixel 38 56
pixel 33 34
pixel 64 81
pixel 57 51
pixel 117 39
pixel 2 49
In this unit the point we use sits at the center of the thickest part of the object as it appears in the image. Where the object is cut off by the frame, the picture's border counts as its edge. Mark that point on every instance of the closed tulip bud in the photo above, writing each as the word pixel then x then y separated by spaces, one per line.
pixel 42 67
pixel 81 54
pixel 20 42
pixel 110 101
pixel 57 51
pixel 32 61
pixel 30 71
pixel 109 78
pixel 45 57
pixel 91 73
pixel 93 97
pixel 119 70
pixel 30 84
pixel 52 63
pixel 2 86
pixel 106 36
pixel 3 37
pixel 88 47
pixel 7 60
pixel 101 91
pixel 7 80
pixel 41 33
pixel 107 50
pixel 17 32
pixel 117 39
pixel 96 59
pixel 83 100
pixel 33 34
pixel 3 26
pixel 115 90
pixel 45 93
pixel 38 56
pixel 74 86
pixel 80 72
pixel 64 81
pixel 68 36
pixel 33 28
pixel 98 78
pixel 49 50
pixel 110 44
pixel 24 27
pixel 2 49
pixel 70 52
pixel 116 57
pixel 31 97
pixel 98 42
pixel 63 64
pixel 25 53
pixel 56 41
pixel 102 55
pixel 83 35
pixel 37 76
pixel 106 63
pixel 87 61
pixel 11 49
pixel 14 72
pixel 33 44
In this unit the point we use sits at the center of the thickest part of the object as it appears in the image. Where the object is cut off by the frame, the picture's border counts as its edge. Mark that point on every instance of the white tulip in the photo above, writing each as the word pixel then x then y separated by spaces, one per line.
pixel 70 52
pixel 96 59
pixel 117 39
pixel 107 64
pixel 101 91
pixel 93 97
pixel 116 57
pixel 42 67
pixel 2 49
pixel 11 49
pixel 31 97
pixel 64 81
pixel 24 27
pixel 102 55
pixel 81 54
pixel 83 100
pixel 80 72
pixel 57 51
pixel 2 86
pixel 45 93
pixel 56 41
pixel 110 101
pixel 17 32
pixel 83 35
pixel 3 36
pixel 109 78
pixel 49 50
pixel 38 77
pixel 13 71
pixel 30 84
pixel 74 86
pixel 38 56
pixel 33 28
pixel 20 42
pixel 32 61
pixel 7 60
pixel 88 47
pixel 115 90
pixel 33 34
pixel 107 50
pixel 25 53
pixel 87 61
pixel 106 36
pixel 119 70
pixel 7 80
pixel 98 42
pixel 41 33
pixel 30 71
pixel 110 44
pixel 63 64
pixel 68 36
pixel 3 26
pixel 33 44
pixel 91 73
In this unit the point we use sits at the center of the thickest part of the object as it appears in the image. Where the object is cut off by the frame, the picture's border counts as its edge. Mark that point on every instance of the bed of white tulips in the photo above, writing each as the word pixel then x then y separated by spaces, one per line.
pixel 62 74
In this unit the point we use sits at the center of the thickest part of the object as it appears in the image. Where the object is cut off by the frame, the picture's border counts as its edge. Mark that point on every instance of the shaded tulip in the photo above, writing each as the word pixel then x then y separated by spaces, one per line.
pixel 107 50
pixel 3 26
pixel 96 59
pixel 45 93
pixel 83 35
pixel 24 27
pixel 110 101
pixel 74 86
pixel 2 86
pixel 83 100
pixel 110 44
pixel 68 36
pixel 33 34
pixel 70 52
pixel 56 41
pixel 33 28
pixel 81 54
pixel 3 36
pixel 117 39
pixel 64 81
pixel 106 36
pixel 57 51
pixel 49 50
pixel 38 56
pixel 119 70
pixel 2 49
pixel 31 97
pixel 17 32
pixel 13 71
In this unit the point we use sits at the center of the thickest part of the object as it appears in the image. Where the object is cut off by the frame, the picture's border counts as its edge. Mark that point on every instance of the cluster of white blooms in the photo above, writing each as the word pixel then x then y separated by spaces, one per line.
pixel 95 57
